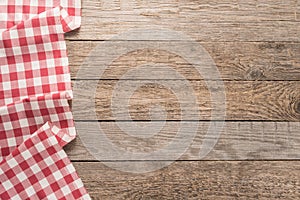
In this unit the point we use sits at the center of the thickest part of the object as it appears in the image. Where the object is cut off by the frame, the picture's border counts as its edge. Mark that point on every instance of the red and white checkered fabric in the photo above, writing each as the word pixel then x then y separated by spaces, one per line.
pixel 13 12
pixel 18 121
pixel 33 57
pixel 40 169
pixel 35 86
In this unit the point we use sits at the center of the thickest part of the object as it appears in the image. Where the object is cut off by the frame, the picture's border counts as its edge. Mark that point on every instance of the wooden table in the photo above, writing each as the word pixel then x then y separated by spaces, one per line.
pixel 255 46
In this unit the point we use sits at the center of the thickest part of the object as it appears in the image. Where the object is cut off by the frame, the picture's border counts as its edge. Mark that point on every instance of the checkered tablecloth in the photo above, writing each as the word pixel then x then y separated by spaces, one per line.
pixel 13 12
pixel 35 86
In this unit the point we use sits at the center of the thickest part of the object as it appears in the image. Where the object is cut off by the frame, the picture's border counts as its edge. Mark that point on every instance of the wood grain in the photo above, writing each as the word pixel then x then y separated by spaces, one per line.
pixel 234 60
pixel 237 141
pixel 202 20
pixel 247 100
pixel 256 47
pixel 196 180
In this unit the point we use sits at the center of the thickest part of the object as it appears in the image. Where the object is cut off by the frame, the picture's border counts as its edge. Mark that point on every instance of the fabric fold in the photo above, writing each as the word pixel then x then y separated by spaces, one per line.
pixel 35 86
pixel 40 169
pixel 13 12
pixel 33 58
pixel 21 119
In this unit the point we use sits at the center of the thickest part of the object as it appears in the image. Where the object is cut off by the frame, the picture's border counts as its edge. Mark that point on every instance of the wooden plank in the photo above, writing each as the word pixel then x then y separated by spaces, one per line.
pixel 205 21
pixel 269 7
pixel 195 180
pixel 237 140
pixel 245 100
pixel 298 11
pixel 234 60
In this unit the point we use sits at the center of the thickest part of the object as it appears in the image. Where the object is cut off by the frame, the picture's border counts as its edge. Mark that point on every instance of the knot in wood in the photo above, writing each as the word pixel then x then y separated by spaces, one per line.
pixel 297 107
pixel 256 74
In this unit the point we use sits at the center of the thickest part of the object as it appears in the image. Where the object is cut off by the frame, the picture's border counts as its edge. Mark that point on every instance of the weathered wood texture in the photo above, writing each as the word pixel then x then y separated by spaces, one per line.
pixel 196 180
pixel 237 141
pixel 256 47
pixel 234 60
pixel 203 20
pixel 247 100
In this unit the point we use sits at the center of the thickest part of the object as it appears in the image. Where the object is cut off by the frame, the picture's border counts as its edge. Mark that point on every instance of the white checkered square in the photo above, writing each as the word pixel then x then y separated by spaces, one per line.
pixel 7 185
pixel 35 168
pixel 44 183
pixel 30 191
pixel 11 142
pixel 21 176
pixel 26 154
pixel 20 67
pixel 57 175
pixel 44 30
pixel 7 125
pixel 6 85
pixel 14 34
pixel 12 163
pixel 29 32
pixel 22 83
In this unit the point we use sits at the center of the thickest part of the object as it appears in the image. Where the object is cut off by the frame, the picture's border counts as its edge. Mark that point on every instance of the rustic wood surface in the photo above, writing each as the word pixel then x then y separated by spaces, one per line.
pixel 235 60
pixel 196 180
pixel 238 140
pixel 246 100
pixel 256 48
pixel 204 21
